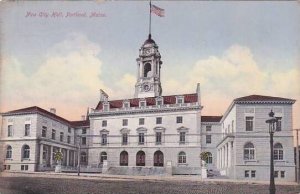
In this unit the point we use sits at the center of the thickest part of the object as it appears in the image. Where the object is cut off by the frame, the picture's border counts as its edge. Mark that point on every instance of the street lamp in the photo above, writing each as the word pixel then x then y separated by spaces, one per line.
pixel 272 128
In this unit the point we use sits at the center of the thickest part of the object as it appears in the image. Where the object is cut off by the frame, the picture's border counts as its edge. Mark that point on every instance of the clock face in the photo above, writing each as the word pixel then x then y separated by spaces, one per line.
pixel 147 51
pixel 146 87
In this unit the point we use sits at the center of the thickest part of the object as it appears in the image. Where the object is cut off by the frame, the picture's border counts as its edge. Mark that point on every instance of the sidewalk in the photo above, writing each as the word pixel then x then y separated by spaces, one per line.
pixel 135 178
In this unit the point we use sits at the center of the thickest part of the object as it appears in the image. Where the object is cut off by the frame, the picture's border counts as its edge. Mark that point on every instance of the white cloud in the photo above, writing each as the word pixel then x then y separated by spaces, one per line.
pixel 232 75
pixel 68 78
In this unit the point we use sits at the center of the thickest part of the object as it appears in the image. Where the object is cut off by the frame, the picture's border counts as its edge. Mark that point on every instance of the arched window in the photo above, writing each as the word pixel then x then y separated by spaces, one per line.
pixel 147 69
pixel 158 158
pixel 278 151
pixel 83 157
pixel 103 156
pixel 182 158
pixel 26 152
pixel 124 158
pixel 140 158
pixel 209 158
pixel 8 152
pixel 249 151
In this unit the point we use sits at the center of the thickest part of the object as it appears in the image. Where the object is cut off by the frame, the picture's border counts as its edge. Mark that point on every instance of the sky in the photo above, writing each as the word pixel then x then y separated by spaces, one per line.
pixel 232 49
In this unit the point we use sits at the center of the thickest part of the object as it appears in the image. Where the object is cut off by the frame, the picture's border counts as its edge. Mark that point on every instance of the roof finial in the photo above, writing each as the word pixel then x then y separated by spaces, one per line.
pixel 149 36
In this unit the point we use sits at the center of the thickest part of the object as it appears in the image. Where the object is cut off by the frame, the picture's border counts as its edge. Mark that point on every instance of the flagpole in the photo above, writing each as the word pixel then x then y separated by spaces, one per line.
pixel 150 18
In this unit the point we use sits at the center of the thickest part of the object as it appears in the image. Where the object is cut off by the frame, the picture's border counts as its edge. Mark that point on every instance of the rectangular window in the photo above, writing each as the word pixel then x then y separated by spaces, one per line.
pixel 208 128
pixel 276 174
pixel 27 129
pixel 282 174
pixel 182 137
pixel 69 139
pixel 61 137
pixel 104 139
pixel 158 137
pixel 105 107
pixel 179 101
pixel 178 119
pixel 141 121
pixel 142 104
pixel 44 152
pixel 158 120
pixel 9 130
pixel 83 131
pixel 104 123
pixel 141 138
pixel 208 139
pixel 159 102
pixel 44 131
pixel 125 122
pixel 253 172
pixel 249 123
pixel 83 141
pixel 278 124
pixel 8 167
pixel 124 139
pixel 69 129
pixel 247 174
pixel 53 134
pixel 126 104
pixel 24 167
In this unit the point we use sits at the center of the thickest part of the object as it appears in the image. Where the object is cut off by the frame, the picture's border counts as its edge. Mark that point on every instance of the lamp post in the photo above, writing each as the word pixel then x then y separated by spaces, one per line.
pixel 272 128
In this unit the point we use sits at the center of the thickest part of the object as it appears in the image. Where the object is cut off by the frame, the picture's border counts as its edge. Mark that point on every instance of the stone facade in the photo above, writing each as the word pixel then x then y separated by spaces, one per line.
pixel 31 136
pixel 236 161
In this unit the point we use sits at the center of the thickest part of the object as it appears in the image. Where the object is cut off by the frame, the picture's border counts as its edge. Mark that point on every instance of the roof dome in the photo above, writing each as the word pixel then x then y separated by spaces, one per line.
pixel 149 40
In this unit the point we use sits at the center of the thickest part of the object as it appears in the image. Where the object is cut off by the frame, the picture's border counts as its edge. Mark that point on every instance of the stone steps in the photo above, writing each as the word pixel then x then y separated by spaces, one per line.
pixel 136 170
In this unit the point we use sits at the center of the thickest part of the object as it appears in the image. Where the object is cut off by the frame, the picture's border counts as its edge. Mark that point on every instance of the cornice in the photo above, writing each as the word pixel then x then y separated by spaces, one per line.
pixel 143 111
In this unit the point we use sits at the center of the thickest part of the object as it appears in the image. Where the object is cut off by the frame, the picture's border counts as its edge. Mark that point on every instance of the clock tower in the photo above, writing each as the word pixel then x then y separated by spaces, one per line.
pixel 148 70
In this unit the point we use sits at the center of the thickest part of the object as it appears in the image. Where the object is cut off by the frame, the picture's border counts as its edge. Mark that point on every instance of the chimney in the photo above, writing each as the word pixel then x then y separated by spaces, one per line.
pixel 83 117
pixel 53 110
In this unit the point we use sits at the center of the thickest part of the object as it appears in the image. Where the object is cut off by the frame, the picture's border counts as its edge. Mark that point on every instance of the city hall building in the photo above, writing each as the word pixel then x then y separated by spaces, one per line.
pixel 154 134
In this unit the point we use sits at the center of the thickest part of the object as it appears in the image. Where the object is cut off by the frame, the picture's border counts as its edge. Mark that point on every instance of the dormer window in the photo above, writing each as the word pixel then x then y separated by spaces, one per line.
pixel 126 104
pixel 159 101
pixel 142 103
pixel 106 106
pixel 179 99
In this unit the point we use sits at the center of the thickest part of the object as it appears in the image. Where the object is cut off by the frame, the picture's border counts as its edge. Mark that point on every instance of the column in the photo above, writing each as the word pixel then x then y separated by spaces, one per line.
pixel 226 156
pixel 224 152
pixel 68 157
pixel 230 153
pixel 217 158
pixel 41 154
pixel 222 157
pixel 51 155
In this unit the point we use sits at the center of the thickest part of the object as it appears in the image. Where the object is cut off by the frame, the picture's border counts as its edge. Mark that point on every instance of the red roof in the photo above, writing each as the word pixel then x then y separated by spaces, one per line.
pixel 36 109
pixel 211 118
pixel 262 98
pixel 134 102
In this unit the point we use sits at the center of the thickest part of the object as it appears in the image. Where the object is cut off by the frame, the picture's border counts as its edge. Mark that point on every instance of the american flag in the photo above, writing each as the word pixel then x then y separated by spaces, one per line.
pixel 158 11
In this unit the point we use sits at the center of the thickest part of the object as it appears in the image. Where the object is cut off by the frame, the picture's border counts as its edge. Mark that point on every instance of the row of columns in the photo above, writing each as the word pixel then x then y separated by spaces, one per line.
pixel 49 157
pixel 224 155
